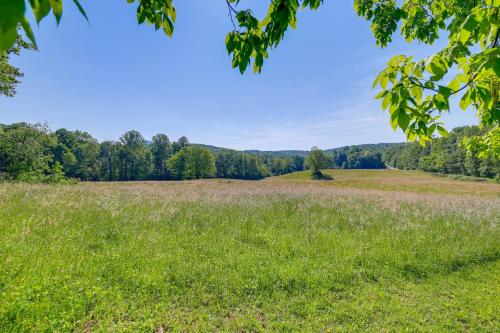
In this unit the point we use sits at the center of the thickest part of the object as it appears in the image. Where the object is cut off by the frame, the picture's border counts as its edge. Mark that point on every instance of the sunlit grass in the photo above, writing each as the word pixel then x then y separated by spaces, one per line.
pixel 368 251
pixel 398 180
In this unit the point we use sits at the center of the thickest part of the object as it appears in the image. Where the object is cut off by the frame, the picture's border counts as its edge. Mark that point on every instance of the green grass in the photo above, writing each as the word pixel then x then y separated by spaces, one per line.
pixel 399 180
pixel 367 251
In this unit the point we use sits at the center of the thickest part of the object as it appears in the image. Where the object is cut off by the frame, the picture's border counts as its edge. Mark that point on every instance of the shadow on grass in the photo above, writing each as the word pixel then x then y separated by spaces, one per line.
pixel 321 176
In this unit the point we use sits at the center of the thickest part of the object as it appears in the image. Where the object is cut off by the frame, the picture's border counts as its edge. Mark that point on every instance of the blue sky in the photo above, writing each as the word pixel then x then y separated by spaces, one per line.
pixel 113 75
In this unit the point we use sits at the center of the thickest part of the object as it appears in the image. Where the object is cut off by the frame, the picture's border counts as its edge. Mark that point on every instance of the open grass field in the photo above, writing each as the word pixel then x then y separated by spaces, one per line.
pixel 368 251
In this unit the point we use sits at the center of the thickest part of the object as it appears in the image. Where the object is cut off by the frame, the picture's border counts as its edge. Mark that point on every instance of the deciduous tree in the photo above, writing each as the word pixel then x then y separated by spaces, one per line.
pixel 192 163
pixel 162 150
pixel 135 157
pixel 316 161
pixel 10 75
pixel 26 151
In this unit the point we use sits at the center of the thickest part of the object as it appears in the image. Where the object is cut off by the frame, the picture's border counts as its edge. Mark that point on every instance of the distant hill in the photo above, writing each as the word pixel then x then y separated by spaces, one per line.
pixel 379 147
pixel 287 153
pixel 278 153
pixel 213 149
pixel 373 146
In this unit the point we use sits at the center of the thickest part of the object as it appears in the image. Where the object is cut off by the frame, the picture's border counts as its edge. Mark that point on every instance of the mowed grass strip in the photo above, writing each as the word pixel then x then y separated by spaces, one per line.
pixel 273 255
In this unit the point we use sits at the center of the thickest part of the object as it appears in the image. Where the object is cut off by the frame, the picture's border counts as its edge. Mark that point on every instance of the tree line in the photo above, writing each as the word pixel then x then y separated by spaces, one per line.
pixel 32 152
pixel 444 155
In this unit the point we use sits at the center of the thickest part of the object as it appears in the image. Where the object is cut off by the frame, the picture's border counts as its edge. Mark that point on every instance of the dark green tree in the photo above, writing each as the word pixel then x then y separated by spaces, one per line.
pixel 162 150
pixel 26 151
pixel 316 160
pixel 109 160
pixel 10 75
pixel 233 164
pixel 78 153
pixel 192 162
pixel 135 157
pixel 224 164
pixel 182 142
pixel 444 155
pixel 298 163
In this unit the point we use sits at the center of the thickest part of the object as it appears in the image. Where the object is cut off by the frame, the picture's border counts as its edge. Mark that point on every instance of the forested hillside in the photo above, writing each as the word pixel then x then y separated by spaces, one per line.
pixel 443 155
pixel 366 156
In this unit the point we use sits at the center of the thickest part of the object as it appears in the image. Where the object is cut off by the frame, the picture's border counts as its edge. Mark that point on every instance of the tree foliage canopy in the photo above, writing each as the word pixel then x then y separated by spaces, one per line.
pixel 10 75
pixel 444 155
pixel 192 162
pixel 316 161
pixel 35 153
pixel 415 91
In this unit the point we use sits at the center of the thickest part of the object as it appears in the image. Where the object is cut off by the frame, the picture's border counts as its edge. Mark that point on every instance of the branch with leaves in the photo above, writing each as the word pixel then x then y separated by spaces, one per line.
pixel 414 92
pixel 249 41
pixel 10 75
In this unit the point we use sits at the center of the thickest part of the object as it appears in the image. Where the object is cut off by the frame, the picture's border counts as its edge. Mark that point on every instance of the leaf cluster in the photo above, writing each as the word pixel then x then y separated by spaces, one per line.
pixel 415 91
pixel 13 14
pixel 252 38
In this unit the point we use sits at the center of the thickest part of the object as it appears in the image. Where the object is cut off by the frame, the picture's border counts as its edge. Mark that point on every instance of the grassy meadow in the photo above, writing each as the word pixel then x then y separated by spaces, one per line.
pixel 368 251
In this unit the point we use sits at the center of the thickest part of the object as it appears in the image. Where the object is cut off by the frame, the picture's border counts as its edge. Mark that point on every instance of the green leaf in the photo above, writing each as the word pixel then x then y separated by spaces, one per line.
pixel 403 119
pixel 465 101
pixel 442 131
pixel 7 39
pixel 440 102
pixel 493 65
pixel 386 101
pixel 467 28
pixel 168 27
pixel 40 8
pixel 431 129
pixel 429 85
pixel 394 120
pixel 243 65
pixel 416 92
pixel 141 17
pixel 445 91
pixel 410 135
pixel 11 14
pixel 28 31
pixel 229 42
pixel 80 8
pixel 376 81
pixel 454 84
pixel 56 6
pixel 437 66
pixel 464 36
pixel 384 80
pixel 382 94
pixel 172 13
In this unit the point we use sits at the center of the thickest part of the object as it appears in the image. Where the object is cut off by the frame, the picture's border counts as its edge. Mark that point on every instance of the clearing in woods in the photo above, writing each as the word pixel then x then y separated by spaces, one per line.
pixel 369 251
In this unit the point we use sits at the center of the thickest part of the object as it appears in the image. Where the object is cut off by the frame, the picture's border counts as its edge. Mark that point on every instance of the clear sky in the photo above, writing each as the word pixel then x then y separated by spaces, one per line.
pixel 113 75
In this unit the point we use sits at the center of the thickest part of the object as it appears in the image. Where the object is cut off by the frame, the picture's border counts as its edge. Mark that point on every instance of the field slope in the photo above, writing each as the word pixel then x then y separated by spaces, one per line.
pixel 369 251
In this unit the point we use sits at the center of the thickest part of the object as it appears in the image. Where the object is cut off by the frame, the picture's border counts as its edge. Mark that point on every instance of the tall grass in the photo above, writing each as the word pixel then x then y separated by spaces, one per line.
pixel 274 255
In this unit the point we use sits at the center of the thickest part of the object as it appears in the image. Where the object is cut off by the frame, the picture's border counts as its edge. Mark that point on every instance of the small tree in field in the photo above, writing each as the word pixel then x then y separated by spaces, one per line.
pixel 316 161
